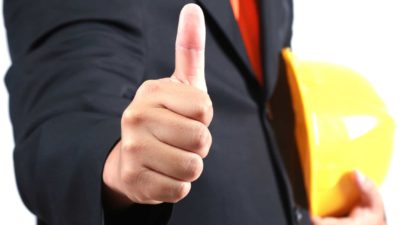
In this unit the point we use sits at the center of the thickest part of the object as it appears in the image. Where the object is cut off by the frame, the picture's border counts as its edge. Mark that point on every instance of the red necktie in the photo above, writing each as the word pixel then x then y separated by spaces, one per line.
pixel 246 15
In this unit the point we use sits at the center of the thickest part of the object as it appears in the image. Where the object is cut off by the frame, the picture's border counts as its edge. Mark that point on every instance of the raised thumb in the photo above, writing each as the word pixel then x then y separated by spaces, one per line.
pixel 190 46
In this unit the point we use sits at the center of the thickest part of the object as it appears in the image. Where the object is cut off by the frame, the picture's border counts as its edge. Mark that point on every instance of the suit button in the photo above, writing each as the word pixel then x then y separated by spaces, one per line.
pixel 268 111
pixel 298 216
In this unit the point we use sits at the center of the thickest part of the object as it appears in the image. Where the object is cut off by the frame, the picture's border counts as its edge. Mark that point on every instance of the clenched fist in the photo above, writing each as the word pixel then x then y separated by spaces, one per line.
pixel 165 132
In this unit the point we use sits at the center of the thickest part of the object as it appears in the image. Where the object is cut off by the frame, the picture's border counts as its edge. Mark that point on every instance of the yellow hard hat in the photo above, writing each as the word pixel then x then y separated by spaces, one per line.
pixel 341 124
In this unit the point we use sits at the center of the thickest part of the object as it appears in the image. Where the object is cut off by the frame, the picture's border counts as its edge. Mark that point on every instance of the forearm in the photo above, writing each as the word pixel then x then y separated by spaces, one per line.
pixel 66 97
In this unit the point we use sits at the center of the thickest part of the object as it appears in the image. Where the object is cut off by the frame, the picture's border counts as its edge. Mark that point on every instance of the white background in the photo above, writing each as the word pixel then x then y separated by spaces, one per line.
pixel 365 36
pixel 361 34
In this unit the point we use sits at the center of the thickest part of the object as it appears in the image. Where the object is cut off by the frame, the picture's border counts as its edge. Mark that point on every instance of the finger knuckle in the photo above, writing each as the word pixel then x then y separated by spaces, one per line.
pixel 149 87
pixel 201 139
pixel 180 191
pixel 133 145
pixel 204 109
pixel 126 116
pixel 200 135
pixel 133 117
pixel 194 168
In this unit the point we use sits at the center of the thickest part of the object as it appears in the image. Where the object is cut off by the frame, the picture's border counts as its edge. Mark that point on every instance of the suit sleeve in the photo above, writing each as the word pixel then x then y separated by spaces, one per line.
pixel 76 65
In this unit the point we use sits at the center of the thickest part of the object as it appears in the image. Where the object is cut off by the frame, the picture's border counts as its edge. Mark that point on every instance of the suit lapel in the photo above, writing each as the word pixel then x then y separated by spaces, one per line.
pixel 220 13
pixel 275 30
pixel 275 23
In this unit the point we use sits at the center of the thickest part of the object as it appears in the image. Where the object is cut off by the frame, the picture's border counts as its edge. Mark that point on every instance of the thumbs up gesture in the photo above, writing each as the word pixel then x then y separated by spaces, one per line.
pixel 165 132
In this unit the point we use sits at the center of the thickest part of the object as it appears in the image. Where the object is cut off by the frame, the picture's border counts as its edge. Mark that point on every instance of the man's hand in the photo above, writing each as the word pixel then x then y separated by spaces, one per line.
pixel 369 210
pixel 165 132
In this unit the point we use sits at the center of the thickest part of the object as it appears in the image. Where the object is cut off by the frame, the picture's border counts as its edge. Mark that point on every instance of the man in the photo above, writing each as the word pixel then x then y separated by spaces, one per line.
pixel 111 127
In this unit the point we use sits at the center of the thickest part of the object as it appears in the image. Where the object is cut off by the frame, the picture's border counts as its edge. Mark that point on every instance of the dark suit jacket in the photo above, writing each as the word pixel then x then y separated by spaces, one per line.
pixel 76 65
